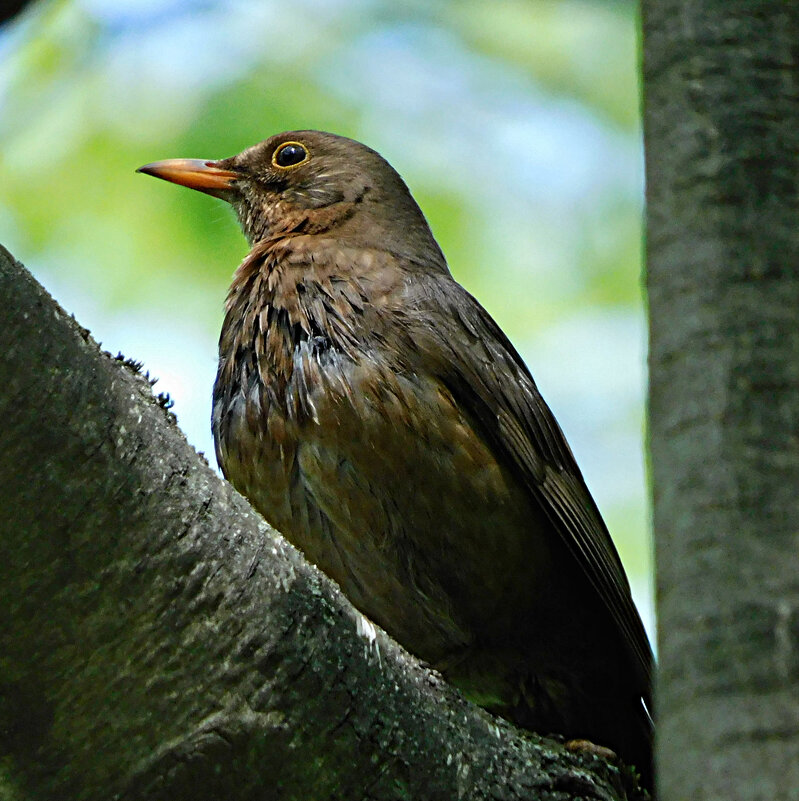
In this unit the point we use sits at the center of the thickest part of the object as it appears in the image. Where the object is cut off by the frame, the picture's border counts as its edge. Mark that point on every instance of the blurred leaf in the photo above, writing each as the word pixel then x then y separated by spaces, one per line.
pixel 586 50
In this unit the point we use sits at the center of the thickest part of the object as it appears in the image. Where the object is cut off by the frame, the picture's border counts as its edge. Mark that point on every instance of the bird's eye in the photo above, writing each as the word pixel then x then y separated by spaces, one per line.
pixel 289 154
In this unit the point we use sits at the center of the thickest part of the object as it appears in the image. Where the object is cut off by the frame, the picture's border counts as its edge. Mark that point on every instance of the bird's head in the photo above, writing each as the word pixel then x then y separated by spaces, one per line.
pixel 313 182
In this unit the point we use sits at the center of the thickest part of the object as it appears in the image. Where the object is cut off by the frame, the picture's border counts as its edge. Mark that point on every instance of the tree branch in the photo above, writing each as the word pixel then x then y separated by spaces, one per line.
pixel 159 640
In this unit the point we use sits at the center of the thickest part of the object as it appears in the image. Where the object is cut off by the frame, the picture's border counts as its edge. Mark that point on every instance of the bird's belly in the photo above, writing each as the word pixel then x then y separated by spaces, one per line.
pixel 392 492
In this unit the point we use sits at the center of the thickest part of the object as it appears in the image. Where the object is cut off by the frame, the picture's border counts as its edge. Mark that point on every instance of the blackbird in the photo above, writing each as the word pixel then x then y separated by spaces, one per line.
pixel 377 416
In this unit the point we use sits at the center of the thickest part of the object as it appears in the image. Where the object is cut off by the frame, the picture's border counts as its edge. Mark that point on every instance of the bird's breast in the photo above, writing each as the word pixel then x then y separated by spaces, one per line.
pixel 373 471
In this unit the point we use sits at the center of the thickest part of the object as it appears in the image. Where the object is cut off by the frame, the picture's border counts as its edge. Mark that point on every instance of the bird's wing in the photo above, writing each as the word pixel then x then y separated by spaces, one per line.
pixel 481 368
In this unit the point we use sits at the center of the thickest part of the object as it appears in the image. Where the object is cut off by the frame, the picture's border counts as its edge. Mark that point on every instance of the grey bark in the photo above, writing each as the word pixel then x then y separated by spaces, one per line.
pixel 721 87
pixel 160 641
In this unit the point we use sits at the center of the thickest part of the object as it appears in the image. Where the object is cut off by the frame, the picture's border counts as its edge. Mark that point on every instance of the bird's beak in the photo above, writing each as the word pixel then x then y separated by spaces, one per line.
pixel 204 176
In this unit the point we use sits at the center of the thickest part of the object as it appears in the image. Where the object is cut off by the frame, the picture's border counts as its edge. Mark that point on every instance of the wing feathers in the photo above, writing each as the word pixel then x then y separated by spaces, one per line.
pixel 491 382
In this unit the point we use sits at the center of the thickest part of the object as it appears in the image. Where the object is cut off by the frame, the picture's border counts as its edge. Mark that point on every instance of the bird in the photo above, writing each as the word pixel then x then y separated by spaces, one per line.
pixel 376 415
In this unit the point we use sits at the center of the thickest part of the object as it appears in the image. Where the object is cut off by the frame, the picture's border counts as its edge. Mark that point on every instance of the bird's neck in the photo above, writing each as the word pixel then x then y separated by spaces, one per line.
pixel 359 224
pixel 318 281
pixel 298 296
pixel 280 219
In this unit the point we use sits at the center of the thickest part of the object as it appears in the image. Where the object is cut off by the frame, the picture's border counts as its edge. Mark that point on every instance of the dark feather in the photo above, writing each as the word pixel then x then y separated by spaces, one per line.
pixel 490 380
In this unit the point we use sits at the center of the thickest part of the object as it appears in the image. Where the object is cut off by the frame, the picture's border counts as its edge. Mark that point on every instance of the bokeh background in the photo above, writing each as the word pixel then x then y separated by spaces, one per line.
pixel 515 123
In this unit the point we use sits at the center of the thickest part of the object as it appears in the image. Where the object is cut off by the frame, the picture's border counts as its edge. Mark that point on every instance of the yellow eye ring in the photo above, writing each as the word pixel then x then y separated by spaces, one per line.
pixel 290 154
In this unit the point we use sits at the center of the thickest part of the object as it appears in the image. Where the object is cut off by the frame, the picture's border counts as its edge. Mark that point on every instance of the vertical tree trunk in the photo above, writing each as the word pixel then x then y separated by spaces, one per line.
pixel 722 149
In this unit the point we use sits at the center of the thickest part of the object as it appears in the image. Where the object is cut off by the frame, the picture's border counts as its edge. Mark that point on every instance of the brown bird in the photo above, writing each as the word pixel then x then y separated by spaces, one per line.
pixel 376 415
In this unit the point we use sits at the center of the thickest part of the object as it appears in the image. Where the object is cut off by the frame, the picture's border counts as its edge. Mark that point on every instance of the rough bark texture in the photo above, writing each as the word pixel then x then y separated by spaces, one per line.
pixel 160 641
pixel 721 89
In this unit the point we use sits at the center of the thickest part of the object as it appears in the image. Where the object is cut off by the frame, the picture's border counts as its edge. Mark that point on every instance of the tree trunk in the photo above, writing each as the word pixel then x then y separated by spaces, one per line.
pixel 721 87
pixel 160 641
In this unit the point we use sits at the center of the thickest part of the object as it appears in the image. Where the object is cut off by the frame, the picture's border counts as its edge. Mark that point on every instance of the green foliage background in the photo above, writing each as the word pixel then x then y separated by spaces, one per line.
pixel 515 123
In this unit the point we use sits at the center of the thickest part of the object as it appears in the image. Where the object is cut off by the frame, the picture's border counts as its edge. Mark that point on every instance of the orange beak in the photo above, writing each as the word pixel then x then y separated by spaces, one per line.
pixel 204 176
